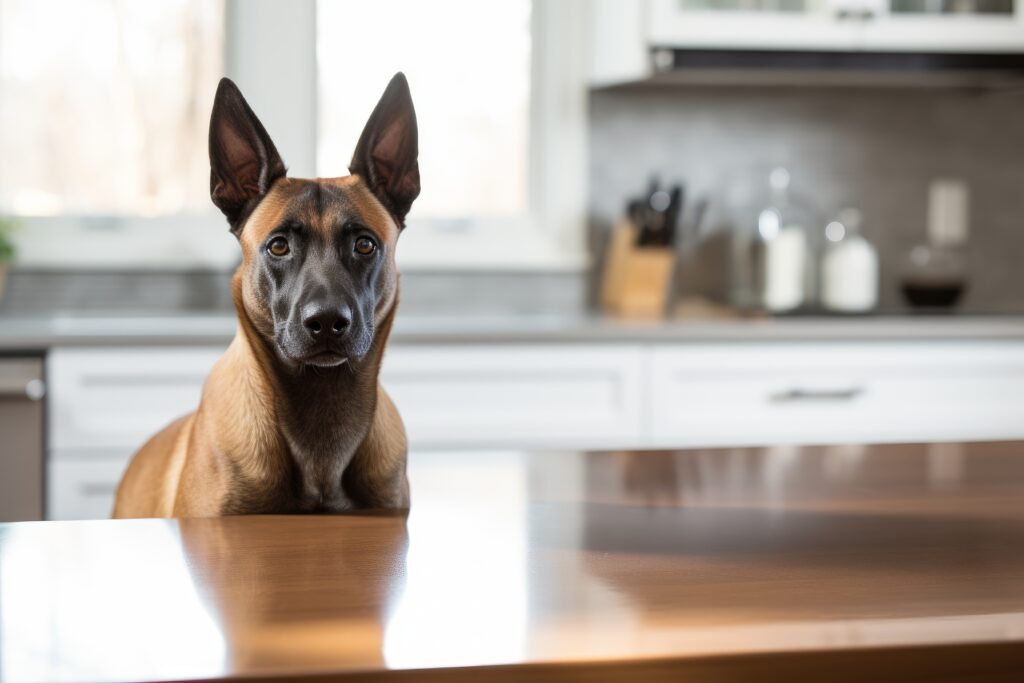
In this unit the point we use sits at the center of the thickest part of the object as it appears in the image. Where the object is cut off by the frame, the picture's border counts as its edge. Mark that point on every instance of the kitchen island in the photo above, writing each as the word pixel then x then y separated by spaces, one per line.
pixel 811 563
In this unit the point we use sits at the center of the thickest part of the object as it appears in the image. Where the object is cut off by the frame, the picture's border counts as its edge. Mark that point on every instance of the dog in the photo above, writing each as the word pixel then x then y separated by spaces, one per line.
pixel 292 418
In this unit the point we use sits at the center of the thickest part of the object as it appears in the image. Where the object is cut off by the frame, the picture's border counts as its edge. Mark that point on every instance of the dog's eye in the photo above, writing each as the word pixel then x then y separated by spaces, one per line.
pixel 365 246
pixel 278 246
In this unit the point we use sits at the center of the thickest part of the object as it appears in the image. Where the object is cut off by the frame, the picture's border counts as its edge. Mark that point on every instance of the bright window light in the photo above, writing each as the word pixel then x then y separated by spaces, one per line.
pixel 104 105
pixel 468 64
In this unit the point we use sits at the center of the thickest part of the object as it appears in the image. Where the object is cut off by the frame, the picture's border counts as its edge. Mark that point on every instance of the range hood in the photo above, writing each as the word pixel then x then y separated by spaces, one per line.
pixel 839 68
pixel 906 43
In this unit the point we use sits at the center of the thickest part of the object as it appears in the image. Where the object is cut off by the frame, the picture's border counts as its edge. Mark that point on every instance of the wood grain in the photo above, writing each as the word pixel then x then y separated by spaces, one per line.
pixel 815 563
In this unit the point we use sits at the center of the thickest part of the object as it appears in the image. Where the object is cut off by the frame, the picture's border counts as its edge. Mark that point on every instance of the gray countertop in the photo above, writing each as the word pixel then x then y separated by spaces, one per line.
pixel 68 329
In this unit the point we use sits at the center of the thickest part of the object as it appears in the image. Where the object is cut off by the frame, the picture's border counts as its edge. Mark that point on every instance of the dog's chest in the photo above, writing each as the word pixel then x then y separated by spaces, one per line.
pixel 321 487
pixel 318 442
pixel 320 459
pixel 310 488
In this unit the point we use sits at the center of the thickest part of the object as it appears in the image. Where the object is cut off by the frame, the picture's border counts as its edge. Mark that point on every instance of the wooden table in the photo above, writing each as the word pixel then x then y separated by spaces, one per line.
pixel 836 563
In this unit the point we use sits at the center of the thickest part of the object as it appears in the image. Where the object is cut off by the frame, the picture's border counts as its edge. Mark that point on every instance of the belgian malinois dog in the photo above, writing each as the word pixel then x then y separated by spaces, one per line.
pixel 292 418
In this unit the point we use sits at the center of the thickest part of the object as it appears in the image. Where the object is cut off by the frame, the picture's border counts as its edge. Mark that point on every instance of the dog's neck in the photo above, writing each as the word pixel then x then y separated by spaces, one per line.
pixel 320 416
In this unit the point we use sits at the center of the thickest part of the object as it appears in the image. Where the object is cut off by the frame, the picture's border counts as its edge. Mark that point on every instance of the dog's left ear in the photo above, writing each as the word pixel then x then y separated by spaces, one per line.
pixel 387 152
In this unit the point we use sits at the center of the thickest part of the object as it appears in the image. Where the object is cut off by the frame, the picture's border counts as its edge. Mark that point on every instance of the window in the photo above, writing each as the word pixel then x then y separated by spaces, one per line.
pixel 104 115
pixel 500 98
pixel 470 81
pixel 104 105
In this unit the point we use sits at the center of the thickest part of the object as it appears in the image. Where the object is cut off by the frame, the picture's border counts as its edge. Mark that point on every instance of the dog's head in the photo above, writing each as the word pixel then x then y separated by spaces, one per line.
pixel 318 269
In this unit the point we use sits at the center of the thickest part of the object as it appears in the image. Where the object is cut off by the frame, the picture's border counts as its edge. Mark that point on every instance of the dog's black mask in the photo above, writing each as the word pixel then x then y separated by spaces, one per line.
pixel 323 283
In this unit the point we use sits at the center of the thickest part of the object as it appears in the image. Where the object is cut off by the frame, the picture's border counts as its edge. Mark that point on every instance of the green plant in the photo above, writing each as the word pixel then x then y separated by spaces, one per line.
pixel 6 243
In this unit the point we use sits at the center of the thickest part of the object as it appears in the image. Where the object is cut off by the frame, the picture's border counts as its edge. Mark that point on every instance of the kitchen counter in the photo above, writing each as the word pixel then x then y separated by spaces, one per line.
pixel 816 563
pixel 68 329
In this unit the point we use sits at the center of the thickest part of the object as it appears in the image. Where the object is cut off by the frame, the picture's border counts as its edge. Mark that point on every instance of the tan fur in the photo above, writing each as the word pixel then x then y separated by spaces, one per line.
pixel 233 440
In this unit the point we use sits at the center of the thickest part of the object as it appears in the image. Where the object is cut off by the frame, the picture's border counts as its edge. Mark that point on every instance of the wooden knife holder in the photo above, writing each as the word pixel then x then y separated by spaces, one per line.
pixel 636 281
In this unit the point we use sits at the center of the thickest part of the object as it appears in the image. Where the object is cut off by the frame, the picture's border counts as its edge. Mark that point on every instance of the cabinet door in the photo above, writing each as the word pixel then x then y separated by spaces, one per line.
pixel 753 24
pixel 83 488
pixel 543 395
pixel 113 399
pixel 740 394
pixel 982 26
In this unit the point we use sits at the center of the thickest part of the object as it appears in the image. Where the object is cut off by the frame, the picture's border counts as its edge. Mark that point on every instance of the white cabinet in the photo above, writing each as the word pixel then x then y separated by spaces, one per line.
pixel 754 25
pixel 82 488
pixel 539 395
pixel 912 30
pixel 627 37
pixel 105 403
pixel 756 394
pixel 985 26
pixel 113 399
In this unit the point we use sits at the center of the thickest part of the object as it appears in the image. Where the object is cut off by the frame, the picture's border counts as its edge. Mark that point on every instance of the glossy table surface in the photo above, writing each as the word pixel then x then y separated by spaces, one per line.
pixel 823 563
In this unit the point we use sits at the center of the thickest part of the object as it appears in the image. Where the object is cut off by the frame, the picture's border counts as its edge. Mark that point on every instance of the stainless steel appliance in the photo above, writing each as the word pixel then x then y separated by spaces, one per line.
pixel 21 438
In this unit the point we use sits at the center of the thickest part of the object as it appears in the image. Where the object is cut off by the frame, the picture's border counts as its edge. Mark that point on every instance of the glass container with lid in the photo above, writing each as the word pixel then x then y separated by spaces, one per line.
pixel 772 266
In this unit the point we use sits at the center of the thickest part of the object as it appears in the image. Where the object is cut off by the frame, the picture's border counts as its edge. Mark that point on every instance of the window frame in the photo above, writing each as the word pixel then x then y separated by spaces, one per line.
pixel 266 44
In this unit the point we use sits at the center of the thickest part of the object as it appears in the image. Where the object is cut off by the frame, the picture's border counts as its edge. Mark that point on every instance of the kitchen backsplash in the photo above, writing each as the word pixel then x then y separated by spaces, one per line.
pixel 153 293
pixel 874 149
pixel 140 292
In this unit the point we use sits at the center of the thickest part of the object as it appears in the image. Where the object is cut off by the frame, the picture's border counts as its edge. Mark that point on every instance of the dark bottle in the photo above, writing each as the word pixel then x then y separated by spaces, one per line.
pixel 935 275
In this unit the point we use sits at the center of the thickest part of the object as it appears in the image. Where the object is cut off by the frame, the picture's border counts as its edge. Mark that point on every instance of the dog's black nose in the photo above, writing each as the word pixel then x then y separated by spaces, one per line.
pixel 325 320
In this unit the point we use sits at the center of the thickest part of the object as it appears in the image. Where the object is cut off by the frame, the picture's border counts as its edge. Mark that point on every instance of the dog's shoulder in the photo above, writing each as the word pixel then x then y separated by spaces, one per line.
pixel 149 485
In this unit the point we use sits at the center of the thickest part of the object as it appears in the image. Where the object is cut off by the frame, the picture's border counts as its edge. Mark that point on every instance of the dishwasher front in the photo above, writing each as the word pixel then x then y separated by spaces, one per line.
pixel 22 389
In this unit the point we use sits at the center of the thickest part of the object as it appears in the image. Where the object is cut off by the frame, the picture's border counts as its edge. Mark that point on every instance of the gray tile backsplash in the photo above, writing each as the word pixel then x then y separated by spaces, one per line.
pixel 30 292
pixel 494 293
pixel 156 293
pixel 875 149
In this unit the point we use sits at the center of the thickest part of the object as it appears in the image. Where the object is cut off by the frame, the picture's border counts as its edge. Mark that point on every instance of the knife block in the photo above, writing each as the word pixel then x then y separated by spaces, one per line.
pixel 636 281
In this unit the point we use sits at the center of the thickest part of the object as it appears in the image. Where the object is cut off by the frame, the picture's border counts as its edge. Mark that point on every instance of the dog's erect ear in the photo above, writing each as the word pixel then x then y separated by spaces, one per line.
pixel 386 155
pixel 243 160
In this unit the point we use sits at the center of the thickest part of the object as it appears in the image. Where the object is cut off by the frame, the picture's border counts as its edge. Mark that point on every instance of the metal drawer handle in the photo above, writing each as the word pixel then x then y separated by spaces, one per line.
pixel 796 394
pixel 859 14
pixel 98 488
pixel 33 389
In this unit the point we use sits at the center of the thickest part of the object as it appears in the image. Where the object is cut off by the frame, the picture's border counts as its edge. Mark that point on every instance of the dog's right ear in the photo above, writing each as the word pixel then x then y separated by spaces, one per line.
pixel 243 160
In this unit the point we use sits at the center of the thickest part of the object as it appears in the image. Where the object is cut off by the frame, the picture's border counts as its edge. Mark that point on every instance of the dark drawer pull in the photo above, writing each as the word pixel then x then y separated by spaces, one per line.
pixel 798 395
pixel 98 488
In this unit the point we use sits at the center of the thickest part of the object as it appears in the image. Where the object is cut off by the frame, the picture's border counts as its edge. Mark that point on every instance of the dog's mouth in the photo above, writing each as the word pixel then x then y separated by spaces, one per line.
pixel 321 356
pixel 325 359
pixel 298 352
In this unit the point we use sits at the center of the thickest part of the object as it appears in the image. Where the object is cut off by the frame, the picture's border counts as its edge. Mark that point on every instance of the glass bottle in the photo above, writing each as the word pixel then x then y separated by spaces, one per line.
pixel 935 273
pixel 772 266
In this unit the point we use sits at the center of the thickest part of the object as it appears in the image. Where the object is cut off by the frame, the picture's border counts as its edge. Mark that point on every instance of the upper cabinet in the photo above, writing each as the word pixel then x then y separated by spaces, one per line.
pixel 752 24
pixel 633 41
pixel 978 26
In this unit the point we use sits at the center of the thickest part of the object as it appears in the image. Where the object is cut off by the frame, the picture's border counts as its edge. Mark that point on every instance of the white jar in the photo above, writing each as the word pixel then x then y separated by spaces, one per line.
pixel 784 268
pixel 849 267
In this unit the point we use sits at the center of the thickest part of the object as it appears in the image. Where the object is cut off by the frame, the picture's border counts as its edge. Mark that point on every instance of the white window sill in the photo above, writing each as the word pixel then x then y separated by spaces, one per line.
pixel 204 242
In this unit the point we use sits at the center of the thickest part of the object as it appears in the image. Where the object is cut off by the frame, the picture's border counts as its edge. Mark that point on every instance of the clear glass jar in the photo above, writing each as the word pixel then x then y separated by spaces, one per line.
pixel 772 261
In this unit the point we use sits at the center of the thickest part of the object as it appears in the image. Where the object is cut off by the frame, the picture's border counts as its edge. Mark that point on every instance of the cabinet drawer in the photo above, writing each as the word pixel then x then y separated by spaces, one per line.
pixel 833 393
pixel 116 398
pixel 524 395
pixel 82 488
